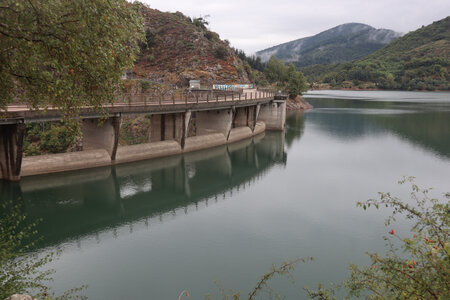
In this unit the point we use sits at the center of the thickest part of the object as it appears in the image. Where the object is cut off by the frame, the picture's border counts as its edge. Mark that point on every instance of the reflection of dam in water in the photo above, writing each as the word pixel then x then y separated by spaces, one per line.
pixel 87 202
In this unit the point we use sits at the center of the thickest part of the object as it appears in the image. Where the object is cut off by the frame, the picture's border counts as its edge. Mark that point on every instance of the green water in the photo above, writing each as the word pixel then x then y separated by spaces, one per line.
pixel 152 229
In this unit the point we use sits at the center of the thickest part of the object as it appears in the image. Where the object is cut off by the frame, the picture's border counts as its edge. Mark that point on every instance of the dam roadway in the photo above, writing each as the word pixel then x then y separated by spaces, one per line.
pixel 193 122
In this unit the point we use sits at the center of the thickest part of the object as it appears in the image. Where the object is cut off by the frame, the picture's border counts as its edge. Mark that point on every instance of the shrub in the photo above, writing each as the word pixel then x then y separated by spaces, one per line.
pixel 221 52
pixel 420 268
pixel 201 22
pixel 56 139
pixel 32 149
pixel 145 85
pixel 150 38
pixel 210 35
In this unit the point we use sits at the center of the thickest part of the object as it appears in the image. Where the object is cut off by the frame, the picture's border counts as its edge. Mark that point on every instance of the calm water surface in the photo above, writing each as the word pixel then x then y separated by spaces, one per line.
pixel 151 229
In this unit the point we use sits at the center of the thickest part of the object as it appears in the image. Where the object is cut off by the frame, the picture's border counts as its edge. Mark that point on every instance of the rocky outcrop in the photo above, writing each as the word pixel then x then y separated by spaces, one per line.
pixel 179 48
pixel 298 104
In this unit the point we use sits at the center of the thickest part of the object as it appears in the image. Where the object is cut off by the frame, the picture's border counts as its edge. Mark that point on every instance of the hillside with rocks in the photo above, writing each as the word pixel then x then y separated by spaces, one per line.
pixel 179 48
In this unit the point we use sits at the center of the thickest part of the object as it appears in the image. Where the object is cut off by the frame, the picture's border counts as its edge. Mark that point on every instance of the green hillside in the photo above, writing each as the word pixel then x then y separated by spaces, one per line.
pixel 339 44
pixel 417 61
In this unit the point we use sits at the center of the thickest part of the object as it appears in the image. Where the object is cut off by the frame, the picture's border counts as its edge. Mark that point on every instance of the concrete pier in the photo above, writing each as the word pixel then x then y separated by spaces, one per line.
pixel 11 150
pixel 99 134
pixel 274 115
pixel 214 121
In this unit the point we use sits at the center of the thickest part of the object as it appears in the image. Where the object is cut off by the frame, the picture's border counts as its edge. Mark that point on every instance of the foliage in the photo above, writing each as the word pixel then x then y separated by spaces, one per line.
pixel 221 52
pixel 150 38
pixel 417 61
pixel 51 137
pixel 134 130
pixel 201 22
pixel 145 85
pixel 285 77
pixel 296 82
pixel 420 267
pixel 275 70
pixel 57 139
pixel 150 58
pixel 211 35
pixel 17 274
pixel 339 44
pixel 263 283
pixel 20 271
pixel 253 61
pixel 66 54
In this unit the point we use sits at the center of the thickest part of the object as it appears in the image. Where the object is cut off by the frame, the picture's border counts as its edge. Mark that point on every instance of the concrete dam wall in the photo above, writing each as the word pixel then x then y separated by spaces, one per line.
pixel 170 134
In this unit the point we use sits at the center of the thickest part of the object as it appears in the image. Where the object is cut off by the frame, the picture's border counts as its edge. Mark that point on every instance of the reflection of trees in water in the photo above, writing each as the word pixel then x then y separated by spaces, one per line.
pixel 81 203
pixel 430 130
pixel 295 126
pixel 343 124
pixel 419 123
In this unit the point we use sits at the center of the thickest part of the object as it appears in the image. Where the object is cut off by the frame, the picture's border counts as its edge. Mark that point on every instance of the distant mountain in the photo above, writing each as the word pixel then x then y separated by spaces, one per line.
pixel 420 60
pixel 339 44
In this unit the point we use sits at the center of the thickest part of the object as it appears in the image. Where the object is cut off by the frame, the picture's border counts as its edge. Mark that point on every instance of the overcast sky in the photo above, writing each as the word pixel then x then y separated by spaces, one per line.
pixel 255 25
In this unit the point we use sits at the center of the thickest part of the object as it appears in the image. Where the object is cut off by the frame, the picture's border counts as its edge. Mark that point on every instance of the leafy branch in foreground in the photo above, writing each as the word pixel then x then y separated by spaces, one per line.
pixel 66 54
pixel 262 284
pixel 20 270
pixel 414 267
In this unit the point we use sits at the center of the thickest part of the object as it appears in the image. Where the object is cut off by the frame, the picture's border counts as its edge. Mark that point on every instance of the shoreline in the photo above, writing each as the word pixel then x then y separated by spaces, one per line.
pixel 299 103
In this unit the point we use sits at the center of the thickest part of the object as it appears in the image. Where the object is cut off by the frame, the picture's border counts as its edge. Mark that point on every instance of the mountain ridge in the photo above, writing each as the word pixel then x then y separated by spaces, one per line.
pixel 419 60
pixel 341 43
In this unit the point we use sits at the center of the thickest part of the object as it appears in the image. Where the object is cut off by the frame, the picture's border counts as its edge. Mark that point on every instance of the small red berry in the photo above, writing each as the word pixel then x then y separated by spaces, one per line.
pixel 410 266
pixel 392 231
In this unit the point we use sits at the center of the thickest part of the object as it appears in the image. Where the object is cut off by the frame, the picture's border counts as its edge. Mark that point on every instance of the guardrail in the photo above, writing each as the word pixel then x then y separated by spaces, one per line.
pixel 159 101
pixel 189 98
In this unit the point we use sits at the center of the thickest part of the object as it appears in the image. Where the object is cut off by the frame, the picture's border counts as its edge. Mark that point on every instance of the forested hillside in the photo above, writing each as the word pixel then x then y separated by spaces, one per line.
pixel 419 60
pixel 339 44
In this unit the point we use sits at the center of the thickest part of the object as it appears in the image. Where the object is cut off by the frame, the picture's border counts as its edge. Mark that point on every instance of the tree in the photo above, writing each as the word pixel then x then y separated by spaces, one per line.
pixel 201 22
pixel 296 82
pixel 285 77
pixel 275 70
pixel 66 54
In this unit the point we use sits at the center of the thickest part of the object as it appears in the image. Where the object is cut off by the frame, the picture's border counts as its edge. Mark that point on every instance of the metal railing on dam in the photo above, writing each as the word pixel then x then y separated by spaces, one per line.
pixel 182 124
pixel 143 103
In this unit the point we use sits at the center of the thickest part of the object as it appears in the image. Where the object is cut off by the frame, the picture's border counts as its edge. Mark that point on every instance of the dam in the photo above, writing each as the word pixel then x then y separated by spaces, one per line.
pixel 193 122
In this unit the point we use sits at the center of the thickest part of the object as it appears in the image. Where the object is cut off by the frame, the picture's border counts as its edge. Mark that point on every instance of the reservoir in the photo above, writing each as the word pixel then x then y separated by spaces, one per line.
pixel 221 217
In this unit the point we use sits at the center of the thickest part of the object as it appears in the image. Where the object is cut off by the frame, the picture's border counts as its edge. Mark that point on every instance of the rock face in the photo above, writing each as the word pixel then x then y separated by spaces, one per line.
pixel 298 104
pixel 339 44
pixel 179 49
